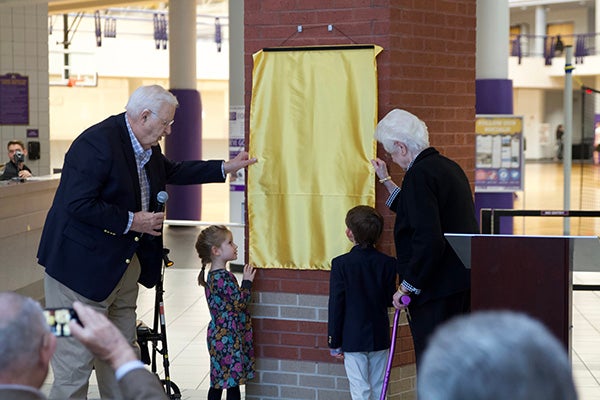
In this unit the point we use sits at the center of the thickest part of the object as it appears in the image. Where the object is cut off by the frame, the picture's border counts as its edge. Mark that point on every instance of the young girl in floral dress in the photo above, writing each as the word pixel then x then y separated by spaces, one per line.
pixel 229 334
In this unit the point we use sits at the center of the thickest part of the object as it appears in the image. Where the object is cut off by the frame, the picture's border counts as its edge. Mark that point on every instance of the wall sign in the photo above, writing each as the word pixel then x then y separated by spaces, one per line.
pixel 499 158
pixel 237 183
pixel 14 99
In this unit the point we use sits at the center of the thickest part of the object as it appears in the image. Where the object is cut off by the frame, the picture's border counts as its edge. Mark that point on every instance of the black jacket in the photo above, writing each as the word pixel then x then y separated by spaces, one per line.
pixel 361 286
pixel 11 171
pixel 435 199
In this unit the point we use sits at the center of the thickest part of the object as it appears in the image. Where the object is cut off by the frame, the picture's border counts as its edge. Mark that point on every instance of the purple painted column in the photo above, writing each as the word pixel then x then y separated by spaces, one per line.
pixel 493 91
pixel 185 143
pixel 494 96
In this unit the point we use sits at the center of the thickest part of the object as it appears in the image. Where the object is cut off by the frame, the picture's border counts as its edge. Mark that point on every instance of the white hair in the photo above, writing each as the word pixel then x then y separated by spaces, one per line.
pixel 149 97
pixel 402 126
pixel 495 355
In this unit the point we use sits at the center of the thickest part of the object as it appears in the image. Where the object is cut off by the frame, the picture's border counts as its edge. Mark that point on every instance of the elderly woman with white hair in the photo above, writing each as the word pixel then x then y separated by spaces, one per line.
pixel 435 198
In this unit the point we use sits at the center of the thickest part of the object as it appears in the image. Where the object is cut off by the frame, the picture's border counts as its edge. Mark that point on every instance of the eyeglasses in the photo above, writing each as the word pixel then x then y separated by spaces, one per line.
pixel 164 121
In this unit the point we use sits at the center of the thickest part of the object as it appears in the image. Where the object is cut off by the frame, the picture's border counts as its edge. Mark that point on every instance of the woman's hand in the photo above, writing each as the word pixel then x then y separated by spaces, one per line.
pixel 380 168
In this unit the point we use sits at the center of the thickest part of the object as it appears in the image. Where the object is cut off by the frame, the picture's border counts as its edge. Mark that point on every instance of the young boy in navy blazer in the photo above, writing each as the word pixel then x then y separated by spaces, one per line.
pixel 361 286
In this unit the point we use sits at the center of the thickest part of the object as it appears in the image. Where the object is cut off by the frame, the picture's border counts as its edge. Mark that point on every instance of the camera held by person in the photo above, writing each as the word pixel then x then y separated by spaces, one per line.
pixel 19 157
pixel 15 168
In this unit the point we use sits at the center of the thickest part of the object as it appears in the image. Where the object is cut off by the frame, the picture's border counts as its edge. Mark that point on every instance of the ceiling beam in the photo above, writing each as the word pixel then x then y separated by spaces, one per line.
pixel 66 6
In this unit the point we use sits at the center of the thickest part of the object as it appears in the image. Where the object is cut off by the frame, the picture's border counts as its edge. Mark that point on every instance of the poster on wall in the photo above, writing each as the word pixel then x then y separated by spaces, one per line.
pixel 236 145
pixel 14 99
pixel 499 153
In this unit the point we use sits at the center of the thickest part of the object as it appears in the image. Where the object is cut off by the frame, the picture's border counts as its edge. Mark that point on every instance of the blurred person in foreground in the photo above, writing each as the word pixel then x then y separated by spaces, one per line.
pixel 27 345
pixel 434 198
pixel 495 355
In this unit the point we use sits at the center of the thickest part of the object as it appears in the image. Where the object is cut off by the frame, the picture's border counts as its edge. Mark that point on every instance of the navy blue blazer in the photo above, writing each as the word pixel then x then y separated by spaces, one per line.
pixel 82 244
pixel 361 286
pixel 435 199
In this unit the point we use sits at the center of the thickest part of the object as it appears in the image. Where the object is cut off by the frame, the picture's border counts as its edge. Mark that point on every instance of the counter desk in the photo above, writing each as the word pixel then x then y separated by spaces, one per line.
pixel 23 209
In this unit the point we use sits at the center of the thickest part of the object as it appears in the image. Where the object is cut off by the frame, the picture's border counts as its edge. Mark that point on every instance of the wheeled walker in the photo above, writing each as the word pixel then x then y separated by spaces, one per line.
pixel 158 334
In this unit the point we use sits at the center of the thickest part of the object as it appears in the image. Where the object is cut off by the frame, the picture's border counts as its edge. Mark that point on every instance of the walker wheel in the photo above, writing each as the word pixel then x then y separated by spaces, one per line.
pixel 175 392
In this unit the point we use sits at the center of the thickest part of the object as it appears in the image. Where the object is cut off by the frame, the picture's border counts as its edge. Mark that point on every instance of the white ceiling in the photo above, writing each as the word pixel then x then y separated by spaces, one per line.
pixel 65 6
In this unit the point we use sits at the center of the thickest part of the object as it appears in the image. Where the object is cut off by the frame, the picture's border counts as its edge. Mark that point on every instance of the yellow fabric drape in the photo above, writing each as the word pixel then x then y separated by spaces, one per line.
pixel 312 118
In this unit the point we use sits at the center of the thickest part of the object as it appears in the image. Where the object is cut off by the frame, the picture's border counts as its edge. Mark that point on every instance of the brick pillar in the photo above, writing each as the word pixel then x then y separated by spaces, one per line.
pixel 427 67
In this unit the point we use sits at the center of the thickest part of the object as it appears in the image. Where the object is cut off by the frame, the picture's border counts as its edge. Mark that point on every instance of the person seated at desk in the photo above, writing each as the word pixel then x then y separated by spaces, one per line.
pixel 15 167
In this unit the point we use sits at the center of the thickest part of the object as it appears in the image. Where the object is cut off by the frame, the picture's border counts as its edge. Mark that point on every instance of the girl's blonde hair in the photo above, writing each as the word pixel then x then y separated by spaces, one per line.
pixel 214 235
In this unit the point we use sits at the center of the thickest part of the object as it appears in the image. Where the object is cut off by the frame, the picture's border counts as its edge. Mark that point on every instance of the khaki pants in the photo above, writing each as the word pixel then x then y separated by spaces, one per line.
pixel 365 373
pixel 72 363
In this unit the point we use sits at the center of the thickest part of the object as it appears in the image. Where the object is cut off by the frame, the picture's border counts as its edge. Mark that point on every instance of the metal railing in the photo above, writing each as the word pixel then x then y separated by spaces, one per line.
pixel 550 47
pixel 490 217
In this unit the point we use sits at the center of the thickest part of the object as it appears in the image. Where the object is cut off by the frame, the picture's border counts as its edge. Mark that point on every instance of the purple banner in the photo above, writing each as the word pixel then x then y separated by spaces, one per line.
pixel 14 99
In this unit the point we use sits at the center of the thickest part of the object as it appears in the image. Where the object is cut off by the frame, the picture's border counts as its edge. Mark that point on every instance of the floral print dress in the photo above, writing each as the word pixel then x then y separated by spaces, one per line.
pixel 229 334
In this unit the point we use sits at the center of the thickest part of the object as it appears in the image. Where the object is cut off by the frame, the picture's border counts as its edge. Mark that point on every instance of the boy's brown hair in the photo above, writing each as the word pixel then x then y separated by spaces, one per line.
pixel 366 225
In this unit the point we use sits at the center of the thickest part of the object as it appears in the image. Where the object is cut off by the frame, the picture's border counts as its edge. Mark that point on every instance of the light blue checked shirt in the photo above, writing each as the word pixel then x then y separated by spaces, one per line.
pixel 141 158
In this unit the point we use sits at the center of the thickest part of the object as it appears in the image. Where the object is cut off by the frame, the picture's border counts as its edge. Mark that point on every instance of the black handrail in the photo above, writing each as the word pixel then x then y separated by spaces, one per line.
pixel 490 217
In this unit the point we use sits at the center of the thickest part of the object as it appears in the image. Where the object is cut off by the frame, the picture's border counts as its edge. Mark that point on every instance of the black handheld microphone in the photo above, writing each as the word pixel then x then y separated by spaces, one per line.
pixel 161 198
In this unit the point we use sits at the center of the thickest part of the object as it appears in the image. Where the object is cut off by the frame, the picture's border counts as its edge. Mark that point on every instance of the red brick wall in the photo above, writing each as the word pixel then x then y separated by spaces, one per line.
pixel 285 339
pixel 427 67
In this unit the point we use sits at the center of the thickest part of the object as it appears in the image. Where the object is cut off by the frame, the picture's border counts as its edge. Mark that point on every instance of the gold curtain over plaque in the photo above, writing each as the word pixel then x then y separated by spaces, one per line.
pixel 312 118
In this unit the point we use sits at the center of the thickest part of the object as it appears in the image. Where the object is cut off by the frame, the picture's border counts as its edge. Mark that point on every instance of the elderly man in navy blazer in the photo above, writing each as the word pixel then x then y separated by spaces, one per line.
pixel 101 237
